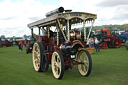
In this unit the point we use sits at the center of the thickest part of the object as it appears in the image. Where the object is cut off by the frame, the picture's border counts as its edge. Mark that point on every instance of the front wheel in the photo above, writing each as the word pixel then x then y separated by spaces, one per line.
pixel 104 45
pixel 85 66
pixel 57 65
pixel 123 40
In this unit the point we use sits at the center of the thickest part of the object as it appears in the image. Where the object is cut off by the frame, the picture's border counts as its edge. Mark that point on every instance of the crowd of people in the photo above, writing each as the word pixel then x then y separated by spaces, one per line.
pixel 94 42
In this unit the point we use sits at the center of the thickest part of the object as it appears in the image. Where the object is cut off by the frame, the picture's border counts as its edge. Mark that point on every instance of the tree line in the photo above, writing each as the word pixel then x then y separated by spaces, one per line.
pixel 112 27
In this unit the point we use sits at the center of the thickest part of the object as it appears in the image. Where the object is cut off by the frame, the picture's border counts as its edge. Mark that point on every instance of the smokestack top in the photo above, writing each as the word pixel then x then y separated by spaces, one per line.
pixel 58 10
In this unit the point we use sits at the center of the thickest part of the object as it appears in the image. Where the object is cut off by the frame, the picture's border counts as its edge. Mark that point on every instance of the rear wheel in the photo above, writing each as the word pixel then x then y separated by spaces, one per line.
pixel 45 64
pixel 40 61
pixel 57 65
pixel 116 43
pixel 104 45
pixel 84 58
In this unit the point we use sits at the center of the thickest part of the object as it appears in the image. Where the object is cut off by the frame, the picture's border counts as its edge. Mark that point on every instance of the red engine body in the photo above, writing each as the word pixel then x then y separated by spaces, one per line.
pixel 66 48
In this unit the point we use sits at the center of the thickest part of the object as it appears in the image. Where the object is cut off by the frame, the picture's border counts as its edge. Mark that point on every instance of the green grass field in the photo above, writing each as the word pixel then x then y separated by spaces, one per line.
pixel 109 67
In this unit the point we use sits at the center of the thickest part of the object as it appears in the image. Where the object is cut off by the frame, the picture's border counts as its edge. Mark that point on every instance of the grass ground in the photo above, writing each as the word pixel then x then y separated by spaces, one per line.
pixel 109 67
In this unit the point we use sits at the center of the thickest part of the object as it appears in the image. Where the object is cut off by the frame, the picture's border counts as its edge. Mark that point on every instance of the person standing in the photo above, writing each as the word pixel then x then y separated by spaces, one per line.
pixel 92 42
pixel 21 45
pixel 97 44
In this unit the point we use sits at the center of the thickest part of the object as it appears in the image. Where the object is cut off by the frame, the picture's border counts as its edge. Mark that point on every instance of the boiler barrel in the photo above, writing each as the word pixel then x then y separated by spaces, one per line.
pixel 67 49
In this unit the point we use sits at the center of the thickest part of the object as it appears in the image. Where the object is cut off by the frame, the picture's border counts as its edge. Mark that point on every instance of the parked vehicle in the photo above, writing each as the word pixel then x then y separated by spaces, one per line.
pixel 64 46
pixel 106 39
pixel 29 46
pixel 123 36
pixel 6 43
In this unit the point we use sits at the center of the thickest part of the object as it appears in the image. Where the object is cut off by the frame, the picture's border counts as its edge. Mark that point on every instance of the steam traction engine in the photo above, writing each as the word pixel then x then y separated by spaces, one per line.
pixel 107 40
pixel 63 47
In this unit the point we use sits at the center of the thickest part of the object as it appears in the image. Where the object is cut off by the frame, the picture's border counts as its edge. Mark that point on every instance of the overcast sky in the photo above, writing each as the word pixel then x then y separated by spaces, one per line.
pixel 16 14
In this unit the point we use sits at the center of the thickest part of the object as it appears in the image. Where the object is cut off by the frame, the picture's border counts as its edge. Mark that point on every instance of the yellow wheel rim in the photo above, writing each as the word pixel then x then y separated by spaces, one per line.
pixel 83 68
pixel 36 57
pixel 56 65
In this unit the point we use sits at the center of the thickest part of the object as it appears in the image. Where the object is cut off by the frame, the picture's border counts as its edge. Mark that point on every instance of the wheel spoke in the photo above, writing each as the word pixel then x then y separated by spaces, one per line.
pixel 55 63
pixel 58 63
pixel 57 72
pixel 38 65
pixel 86 63
pixel 34 53
pixel 54 59
pixel 36 60
pixel 38 56
pixel 57 69
pixel 84 69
